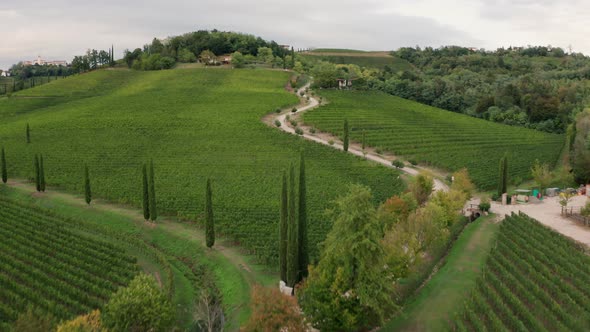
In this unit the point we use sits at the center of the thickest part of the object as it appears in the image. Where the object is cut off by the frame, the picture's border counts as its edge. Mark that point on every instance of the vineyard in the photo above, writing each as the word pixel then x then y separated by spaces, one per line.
pixel 195 124
pixel 533 280
pixel 364 59
pixel 54 265
pixel 433 136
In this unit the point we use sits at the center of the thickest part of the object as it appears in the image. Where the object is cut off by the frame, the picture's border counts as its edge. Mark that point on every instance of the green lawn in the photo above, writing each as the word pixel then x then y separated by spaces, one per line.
pixel 433 307
pixel 195 124
pixel 433 136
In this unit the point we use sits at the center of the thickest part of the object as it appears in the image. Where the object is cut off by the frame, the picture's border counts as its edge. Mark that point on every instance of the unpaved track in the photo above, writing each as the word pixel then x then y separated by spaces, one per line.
pixel 325 139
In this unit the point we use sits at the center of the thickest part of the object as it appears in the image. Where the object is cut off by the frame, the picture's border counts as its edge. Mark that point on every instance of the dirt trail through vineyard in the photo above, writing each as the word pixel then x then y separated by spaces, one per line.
pixel 326 138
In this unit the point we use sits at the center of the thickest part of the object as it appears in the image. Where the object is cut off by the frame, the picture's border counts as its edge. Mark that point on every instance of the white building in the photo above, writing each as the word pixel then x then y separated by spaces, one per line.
pixel 39 61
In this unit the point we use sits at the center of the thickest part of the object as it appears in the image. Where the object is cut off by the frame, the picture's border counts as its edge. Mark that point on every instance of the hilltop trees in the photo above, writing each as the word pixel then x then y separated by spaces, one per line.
pixel 580 156
pixel 3 166
pixel 209 223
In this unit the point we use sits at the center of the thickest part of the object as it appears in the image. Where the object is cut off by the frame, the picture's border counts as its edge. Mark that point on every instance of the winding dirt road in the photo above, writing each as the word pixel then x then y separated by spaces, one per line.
pixel 325 139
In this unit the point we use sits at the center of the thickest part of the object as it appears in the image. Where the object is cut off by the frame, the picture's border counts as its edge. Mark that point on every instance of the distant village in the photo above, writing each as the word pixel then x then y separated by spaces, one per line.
pixel 39 61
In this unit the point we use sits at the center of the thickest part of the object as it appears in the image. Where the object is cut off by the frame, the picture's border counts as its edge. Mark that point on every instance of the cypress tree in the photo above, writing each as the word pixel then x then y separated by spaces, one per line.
pixel 345 140
pixel 4 167
pixel 152 194
pixel 292 58
pixel 87 190
pixel 41 173
pixel 302 226
pixel 145 197
pixel 37 179
pixel 500 176
pixel 283 230
pixel 363 141
pixel 292 237
pixel 209 223
pixel 28 134
pixel 505 175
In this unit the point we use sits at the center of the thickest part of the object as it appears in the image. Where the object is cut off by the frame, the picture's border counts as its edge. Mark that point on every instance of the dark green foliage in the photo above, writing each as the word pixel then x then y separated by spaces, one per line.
pixel 397 163
pixel 293 231
pixel 283 230
pixel 28 133
pixel 41 174
pixel 503 176
pixel 33 319
pixel 87 190
pixel 37 173
pixel 145 198
pixel 209 222
pixel 152 194
pixel 4 166
pixel 345 138
pixel 292 57
pixel 142 306
pixel 302 225
pixel 364 140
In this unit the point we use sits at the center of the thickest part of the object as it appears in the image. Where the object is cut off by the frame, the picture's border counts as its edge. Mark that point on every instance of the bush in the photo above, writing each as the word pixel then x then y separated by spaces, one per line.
pixel 397 163
pixel 298 131
pixel 485 204
pixel 496 197
pixel 33 320
pixel 312 130
pixel 379 150
pixel 142 306
pixel 331 142
pixel 278 110
pixel 302 93
pixel 288 117
pixel 294 110
pixel 86 323
pixel 413 162
pixel 293 123
pixel 277 123
pixel 586 210
pixel 273 311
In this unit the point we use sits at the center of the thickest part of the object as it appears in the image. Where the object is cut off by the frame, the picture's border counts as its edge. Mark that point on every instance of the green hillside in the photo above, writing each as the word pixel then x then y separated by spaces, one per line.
pixel 533 280
pixel 361 58
pixel 195 124
pixel 434 136
pixel 55 265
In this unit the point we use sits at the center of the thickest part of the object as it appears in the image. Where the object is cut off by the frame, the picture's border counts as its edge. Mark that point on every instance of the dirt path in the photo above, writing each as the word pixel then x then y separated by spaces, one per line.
pixel 326 138
pixel 548 212
pixel 232 254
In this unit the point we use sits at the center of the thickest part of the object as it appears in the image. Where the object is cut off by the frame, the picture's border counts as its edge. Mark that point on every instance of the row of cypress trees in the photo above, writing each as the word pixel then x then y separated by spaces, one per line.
pixel 293 242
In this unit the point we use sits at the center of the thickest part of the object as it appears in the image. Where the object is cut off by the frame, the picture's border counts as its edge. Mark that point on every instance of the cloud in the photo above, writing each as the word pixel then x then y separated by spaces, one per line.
pixel 60 29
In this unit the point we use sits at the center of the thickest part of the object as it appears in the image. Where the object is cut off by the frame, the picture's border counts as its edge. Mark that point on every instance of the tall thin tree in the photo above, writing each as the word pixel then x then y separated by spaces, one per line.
pixel 87 189
pixel 505 176
pixel 345 139
pixel 41 173
pixel 152 194
pixel 145 193
pixel 209 222
pixel 363 141
pixel 4 166
pixel 36 168
pixel 28 134
pixel 501 176
pixel 302 225
pixel 292 58
pixel 283 230
pixel 293 234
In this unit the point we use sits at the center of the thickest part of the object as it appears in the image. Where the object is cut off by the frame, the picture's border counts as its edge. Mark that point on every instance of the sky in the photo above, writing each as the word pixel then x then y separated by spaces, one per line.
pixel 60 29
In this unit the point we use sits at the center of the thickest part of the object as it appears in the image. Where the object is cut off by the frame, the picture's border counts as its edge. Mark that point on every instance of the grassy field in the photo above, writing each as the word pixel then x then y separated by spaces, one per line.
pixel 194 124
pixel 55 264
pixel 533 280
pixel 361 58
pixel 433 307
pixel 433 136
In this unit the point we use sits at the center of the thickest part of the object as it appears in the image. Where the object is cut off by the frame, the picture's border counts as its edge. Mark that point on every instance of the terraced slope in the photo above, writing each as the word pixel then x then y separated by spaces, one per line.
pixel 54 265
pixel 434 136
pixel 195 124
pixel 534 280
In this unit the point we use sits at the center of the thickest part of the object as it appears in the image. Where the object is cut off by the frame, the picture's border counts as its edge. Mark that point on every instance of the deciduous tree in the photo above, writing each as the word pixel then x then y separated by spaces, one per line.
pixel 541 174
pixel 273 311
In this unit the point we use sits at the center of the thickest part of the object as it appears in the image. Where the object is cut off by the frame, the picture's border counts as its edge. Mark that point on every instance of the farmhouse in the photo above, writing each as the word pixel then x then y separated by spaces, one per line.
pixel 42 62
pixel 224 59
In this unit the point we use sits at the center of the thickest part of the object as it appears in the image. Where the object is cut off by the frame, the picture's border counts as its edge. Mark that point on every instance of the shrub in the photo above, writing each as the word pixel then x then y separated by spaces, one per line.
pixel 397 163
pixel 312 130
pixel 278 110
pixel 277 123
pixel 273 311
pixel 294 110
pixel 288 117
pixel 33 320
pixel 586 210
pixel 496 197
pixel 293 123
pixel 331 142
pixel 142 306
pixel 485 204
pixel 298 131
pixel 302 93
pixel 413 162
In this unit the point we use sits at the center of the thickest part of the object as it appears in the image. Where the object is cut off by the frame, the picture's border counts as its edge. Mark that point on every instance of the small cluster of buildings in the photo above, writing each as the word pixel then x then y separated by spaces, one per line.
pixel 39 61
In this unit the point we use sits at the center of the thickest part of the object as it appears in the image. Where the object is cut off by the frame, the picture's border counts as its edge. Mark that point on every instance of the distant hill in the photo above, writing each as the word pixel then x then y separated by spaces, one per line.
pixel 370 59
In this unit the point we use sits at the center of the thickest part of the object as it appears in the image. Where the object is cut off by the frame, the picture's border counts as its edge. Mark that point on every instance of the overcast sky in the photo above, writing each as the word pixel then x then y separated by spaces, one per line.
pixel 60 29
